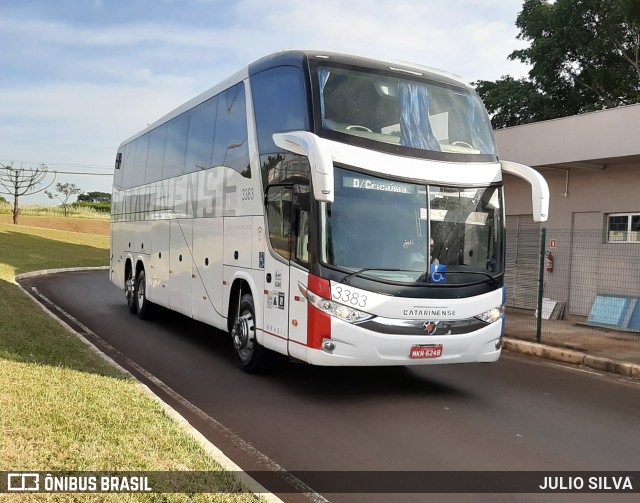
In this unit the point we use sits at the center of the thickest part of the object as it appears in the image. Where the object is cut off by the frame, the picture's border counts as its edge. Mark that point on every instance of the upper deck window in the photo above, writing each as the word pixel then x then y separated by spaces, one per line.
pixel 279 104
pixel 411 116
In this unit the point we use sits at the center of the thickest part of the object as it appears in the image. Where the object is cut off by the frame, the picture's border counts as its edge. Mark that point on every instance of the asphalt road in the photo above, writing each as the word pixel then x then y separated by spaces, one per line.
pixel 519 414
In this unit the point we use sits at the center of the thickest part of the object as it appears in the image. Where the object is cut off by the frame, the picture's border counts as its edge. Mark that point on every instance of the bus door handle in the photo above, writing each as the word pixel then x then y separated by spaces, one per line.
pixel 268 277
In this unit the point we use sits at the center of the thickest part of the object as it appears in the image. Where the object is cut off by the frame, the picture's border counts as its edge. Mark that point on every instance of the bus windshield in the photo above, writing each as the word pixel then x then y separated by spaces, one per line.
pixel 396 231
pixel 389 112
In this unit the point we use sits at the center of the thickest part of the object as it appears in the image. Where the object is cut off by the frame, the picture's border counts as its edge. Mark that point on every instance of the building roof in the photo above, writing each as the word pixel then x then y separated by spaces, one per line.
pixel 586 141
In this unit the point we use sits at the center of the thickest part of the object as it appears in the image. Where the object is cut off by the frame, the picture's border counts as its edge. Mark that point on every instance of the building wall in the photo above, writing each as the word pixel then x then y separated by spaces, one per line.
pixel 615 189
pixel 585 265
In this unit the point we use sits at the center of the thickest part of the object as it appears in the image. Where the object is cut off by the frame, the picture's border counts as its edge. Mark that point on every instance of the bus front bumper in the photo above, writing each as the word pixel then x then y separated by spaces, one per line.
pixel 354 346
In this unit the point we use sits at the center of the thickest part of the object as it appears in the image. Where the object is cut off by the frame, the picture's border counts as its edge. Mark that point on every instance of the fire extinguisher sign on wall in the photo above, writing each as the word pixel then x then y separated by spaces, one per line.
pixel 549 256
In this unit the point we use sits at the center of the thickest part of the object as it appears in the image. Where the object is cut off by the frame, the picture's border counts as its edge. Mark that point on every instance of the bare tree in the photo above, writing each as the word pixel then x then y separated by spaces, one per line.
pixel 18 182
pixel 63 192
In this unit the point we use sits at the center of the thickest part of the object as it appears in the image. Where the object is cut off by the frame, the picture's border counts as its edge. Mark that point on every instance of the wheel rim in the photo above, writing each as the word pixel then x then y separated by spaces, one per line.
pixel 243 335
pixel 129 286
pixel 141 287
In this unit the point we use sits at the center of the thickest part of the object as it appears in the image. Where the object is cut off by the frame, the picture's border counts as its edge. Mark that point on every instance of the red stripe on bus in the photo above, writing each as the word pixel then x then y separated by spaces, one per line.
pixel 318 323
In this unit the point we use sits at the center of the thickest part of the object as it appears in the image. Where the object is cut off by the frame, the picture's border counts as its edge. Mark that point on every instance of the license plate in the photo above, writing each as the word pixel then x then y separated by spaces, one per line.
pixel 424 352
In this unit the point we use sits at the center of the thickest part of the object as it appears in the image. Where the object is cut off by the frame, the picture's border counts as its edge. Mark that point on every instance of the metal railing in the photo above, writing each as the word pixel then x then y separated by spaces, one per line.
pixel 574 289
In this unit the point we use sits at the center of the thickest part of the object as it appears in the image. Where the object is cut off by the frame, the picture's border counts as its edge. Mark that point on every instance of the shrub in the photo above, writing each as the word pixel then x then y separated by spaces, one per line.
pixel 99 207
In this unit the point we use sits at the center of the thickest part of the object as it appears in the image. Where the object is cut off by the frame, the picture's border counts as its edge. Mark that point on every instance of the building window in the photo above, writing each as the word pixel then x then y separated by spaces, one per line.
pixel 623 228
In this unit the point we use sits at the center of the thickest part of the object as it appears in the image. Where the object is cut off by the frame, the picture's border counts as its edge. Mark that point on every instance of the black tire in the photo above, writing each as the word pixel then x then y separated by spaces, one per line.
pixel 249 355
pixel 145 307
pixel 130 292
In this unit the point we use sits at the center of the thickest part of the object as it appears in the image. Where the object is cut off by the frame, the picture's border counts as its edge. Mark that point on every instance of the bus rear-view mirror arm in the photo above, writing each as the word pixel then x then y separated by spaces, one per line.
pixel 320 160
pixel 539 188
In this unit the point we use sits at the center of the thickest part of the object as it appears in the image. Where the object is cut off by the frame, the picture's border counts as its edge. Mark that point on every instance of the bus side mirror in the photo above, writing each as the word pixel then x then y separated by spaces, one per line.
pixel 118 160
pixel 320 160
pixel 539 188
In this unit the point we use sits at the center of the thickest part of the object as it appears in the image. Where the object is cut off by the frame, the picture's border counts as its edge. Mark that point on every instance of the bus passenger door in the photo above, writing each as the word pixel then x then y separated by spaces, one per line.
pixel 276 268
pixel 299 272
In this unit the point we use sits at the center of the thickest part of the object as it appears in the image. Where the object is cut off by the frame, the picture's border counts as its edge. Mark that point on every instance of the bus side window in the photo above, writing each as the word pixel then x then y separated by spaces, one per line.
pixel 155 158
pixel 301 209
pixel 278 201
pixel 119 168
pixel 230 143
pixel 302 238
pixel 279 104
pixel 175 150
pixel 140 165
pixel 129 165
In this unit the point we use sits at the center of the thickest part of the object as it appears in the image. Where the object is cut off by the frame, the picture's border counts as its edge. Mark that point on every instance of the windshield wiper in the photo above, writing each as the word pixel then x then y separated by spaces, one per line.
pixel 346 279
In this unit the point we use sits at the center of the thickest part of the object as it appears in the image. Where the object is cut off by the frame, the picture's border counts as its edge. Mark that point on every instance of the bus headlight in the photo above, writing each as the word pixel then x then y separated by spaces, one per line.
pixel 492 315
pixel 340 311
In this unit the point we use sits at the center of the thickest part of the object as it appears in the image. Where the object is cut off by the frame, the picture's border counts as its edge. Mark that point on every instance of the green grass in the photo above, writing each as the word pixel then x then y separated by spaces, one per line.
pixel 25 249
pixel 64 408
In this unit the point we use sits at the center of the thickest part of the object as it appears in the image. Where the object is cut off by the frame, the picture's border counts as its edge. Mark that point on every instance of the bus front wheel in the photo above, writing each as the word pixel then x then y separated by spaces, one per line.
pixel 250 356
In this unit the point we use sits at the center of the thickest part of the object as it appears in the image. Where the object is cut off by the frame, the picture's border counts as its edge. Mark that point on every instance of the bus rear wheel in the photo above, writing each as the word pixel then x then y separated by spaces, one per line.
pixel 144 306
pixel 130 291
pixel 249 355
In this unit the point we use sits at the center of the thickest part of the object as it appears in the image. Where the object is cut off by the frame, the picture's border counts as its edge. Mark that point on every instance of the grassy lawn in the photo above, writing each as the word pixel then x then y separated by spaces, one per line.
pixel 64 408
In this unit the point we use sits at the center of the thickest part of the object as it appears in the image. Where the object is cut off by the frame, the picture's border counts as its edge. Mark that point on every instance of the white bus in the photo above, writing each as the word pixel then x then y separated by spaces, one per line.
pixel 334 209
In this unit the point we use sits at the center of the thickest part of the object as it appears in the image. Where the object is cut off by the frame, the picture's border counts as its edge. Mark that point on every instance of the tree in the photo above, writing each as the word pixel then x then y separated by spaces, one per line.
pixel 63 192
pixel 95 197
pixel 511 102
pixel 18 182
pixel 584 56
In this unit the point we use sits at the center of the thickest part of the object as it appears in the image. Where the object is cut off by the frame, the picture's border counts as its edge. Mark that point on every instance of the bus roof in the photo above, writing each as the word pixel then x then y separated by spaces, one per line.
pixel 299 58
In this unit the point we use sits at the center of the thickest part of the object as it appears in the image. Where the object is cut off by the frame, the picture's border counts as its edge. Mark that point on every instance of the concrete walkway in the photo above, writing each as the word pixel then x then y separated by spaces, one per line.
pixel 572 341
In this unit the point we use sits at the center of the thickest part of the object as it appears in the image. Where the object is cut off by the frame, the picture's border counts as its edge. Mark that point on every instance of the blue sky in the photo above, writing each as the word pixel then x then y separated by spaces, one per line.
pixel 79 76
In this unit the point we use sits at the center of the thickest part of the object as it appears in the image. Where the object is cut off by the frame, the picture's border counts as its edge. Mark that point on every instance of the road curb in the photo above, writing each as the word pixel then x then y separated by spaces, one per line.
pixel 44 272
pixel 573 357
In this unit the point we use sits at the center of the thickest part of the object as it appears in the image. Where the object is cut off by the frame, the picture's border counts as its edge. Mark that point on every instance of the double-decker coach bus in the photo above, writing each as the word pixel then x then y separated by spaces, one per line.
pixel 334 209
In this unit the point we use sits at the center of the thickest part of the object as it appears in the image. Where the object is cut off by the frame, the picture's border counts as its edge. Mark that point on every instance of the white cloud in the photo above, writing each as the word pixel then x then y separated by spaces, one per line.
pixel 450 35
pixel 71 92
pixel 81 124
